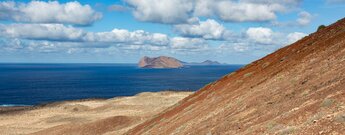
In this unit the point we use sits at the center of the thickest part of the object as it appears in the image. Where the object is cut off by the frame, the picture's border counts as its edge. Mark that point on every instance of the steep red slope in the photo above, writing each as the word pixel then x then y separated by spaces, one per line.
pixel 298 89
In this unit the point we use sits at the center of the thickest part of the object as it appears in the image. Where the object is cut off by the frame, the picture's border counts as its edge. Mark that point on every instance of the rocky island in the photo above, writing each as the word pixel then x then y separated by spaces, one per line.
pixel 206 62
pixel 210 62
pixel 170 62
pixel 159 62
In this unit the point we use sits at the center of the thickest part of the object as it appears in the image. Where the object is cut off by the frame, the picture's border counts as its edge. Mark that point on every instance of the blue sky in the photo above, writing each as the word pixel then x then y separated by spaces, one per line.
pixel 122 31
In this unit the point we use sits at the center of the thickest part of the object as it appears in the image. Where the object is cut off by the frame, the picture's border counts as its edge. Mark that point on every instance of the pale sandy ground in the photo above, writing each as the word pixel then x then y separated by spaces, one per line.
pixel 129 111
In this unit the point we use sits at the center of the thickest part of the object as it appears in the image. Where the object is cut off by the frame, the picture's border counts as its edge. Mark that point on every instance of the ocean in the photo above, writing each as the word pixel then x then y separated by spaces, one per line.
pixel 33 84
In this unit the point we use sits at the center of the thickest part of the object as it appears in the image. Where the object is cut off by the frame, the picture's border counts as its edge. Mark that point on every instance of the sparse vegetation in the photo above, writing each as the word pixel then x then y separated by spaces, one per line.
pixel 321 27
pixel 271 125
pixel 287 131
pixel 248 74
pixel 315 118
pixel 305 92
pixel 327 102
pixel 340 118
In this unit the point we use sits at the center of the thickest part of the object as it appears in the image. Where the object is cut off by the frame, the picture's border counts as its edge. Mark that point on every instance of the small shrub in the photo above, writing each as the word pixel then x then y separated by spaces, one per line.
pixel 248 74
pixel 340 118
pixel 327 102
pixel 271 125
pixel 287 131
pixel 321 27
pixel 315 118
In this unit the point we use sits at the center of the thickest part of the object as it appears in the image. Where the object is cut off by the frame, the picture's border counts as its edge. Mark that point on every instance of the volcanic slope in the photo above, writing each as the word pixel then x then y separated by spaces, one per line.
pixel 299 89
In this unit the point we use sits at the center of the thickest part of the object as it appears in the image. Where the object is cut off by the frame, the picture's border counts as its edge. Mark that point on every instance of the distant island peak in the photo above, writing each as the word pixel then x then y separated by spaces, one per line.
pixel 169 62
pixel 159 62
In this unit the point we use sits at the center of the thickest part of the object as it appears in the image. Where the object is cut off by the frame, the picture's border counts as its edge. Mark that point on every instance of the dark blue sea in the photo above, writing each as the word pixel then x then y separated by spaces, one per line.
pixel 32 84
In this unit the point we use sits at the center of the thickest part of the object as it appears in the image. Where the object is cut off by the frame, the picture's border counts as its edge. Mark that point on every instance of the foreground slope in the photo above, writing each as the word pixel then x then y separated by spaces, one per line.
pixel 297 89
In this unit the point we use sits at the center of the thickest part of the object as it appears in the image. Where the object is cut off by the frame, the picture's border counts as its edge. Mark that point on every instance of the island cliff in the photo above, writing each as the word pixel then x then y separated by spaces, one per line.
pixel 159 62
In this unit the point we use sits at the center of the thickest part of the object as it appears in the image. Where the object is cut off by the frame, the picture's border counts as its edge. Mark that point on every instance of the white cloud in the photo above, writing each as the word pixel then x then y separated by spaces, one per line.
pixel 287 3
pixel 125 36
pixel 47 37
pixel 179 11
pixel 60 32
pixel 209 29
pixel 234 47
pixel 188 44
pixel 260 35
pixel 161 11
pixel 266 36
pixel 304 18
pixel 49 12
pixel 11 44
pixel 235 11
pixel 143 47
pixel 295 36
pixel 41 31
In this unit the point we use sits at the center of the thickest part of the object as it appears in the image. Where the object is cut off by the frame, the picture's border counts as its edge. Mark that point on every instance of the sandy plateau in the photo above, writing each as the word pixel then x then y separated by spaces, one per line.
pixel 112 116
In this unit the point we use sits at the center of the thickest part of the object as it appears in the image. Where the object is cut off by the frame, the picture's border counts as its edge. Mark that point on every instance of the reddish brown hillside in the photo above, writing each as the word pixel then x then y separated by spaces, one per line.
pixel 298 89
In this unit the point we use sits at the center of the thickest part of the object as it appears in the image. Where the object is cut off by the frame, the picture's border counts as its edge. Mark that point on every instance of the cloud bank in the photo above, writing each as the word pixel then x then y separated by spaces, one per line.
pixel 179 11
pixel 48 12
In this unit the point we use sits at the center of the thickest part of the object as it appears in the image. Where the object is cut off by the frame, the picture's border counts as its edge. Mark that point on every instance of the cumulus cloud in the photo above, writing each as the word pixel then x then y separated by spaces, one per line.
pixel 260 35
pixel 287 3
pixel 161 11
pixel 304 18
pixel 48 37
pixel 138 37
pixel 234 47
pixel 295 36
pixel 49 12
pixel 209 29
pixel 60 32
pixel 55 32
pixel 179 11
pixel 188 44
pixel 235 11
pixel 265 36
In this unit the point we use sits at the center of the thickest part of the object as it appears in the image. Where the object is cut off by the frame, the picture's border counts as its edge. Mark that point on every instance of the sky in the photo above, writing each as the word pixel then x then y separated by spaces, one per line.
pixel 123 31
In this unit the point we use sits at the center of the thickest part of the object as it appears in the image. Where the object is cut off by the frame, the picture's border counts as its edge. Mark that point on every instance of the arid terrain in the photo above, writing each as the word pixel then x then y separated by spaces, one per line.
pixel 299 89
pixel 93 116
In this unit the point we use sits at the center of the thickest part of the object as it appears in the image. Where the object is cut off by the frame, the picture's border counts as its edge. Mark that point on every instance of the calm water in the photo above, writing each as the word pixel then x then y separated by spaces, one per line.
pixel 30 84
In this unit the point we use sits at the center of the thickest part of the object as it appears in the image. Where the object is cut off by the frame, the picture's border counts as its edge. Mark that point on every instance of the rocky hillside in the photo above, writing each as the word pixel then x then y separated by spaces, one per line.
pixel 299 89
pixel 159 62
